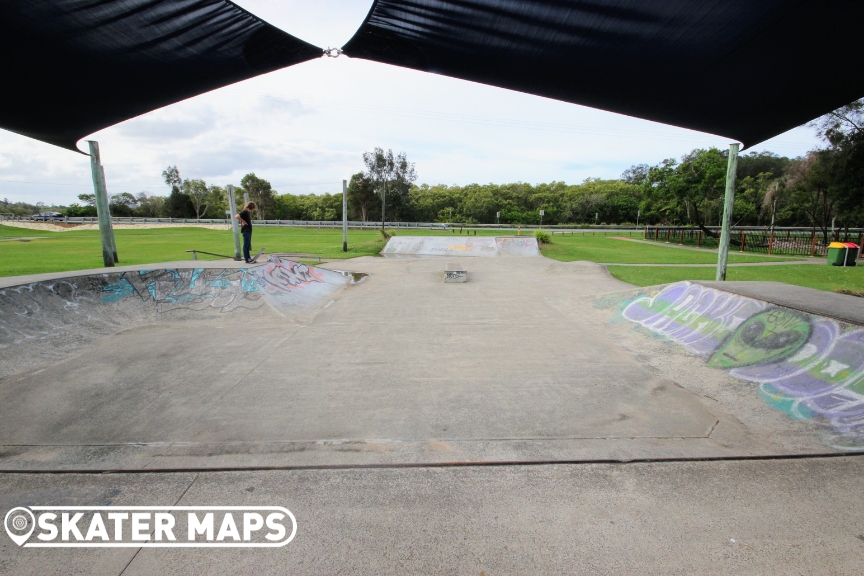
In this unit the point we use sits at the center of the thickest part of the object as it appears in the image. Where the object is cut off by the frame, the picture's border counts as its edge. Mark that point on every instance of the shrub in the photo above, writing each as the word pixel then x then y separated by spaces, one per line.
pixel 543 237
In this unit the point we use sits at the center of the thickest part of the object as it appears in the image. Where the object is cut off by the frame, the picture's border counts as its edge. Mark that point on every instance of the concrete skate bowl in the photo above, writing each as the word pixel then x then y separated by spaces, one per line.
pixel 475 246
pixel 805 369
pixel 284 365
pixel 46 320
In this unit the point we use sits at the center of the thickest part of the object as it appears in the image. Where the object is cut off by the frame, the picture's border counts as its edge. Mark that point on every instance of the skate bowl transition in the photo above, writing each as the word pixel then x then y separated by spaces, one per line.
pixel 488 246
pixel 289 365
pixel 42 319
pixel 806 366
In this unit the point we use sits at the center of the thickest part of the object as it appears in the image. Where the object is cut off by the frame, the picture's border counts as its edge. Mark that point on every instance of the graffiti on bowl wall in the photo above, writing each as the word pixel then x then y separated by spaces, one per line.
pixel 809 367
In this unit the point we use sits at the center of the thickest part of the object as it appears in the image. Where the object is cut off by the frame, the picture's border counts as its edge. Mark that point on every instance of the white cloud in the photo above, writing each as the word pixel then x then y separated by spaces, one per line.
pixel 304 128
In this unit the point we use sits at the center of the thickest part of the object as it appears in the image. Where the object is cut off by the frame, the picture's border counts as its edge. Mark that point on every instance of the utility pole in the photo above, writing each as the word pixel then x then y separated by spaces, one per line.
pixel 344 215
pixel 542 212
pixel 245 199
pixel 102 210
pixel 728 204
pixel 498 218
pixel 638 213
pixel 232 210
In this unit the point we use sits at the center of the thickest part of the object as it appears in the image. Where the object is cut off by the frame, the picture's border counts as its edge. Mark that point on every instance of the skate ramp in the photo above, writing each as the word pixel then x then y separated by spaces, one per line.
pixel 806 366
pixel 43 320
pixel 481 246
pixel 399 369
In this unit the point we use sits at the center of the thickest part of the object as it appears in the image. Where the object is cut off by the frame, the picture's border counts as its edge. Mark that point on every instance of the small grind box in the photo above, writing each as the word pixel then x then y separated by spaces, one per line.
pixel 455 272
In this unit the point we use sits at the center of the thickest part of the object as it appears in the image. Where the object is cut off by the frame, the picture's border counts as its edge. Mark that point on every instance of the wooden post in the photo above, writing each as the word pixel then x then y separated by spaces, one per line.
pixel 813 246
pixel 235 229
pixel 743 239
pixel 682 237
pixel 668 235
pixel 102 209
pixel 699 240
pixel 728 204
pixel 344 215
pixel 770 244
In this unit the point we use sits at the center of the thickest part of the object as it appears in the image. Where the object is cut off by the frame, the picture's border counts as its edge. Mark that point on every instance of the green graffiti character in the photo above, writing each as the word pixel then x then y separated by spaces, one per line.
pixel 765 337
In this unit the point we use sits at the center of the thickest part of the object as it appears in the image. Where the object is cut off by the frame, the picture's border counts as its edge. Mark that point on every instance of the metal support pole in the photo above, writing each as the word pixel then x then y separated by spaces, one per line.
pixel 245 199
pixel 102 209
pixel 344 215
pixel 235 229
pixel 728 203
pixel 383 203
pixel 111 227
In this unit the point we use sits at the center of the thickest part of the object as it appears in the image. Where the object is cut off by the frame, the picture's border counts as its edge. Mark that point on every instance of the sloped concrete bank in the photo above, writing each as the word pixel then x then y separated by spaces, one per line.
pixel 808 366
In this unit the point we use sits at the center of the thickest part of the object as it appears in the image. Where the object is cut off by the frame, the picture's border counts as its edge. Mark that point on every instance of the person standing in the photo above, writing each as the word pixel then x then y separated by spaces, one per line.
pixel 245 217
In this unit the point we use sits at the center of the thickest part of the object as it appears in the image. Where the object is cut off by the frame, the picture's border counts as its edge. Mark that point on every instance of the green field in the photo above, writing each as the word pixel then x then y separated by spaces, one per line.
pixel 607 249
pixel 63 251
pixel 77 250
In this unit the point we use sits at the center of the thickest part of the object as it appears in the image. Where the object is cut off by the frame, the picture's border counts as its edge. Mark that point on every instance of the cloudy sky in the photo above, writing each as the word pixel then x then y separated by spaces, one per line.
pixel 304 128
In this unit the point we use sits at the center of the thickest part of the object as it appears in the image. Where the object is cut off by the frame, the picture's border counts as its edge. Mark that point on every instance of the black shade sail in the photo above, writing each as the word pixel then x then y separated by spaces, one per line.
pixel 72 67
pixel 745 69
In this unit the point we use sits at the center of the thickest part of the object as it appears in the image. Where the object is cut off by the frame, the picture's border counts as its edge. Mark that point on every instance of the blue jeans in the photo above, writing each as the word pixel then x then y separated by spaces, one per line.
pixel 247 243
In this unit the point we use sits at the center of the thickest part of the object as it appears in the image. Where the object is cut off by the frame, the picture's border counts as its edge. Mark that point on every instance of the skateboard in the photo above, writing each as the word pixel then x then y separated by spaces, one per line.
pixel 258 255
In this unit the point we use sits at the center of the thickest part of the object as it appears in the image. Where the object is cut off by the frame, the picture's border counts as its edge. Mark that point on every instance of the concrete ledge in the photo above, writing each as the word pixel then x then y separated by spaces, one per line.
pixel 849 309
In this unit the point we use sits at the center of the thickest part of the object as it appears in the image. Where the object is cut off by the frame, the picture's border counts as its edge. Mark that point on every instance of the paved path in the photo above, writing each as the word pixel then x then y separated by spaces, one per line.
pixel 751 517
pixel 785 263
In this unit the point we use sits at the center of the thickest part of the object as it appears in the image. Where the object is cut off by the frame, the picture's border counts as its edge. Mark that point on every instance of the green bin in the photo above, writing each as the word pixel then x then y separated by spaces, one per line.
pixel 837 254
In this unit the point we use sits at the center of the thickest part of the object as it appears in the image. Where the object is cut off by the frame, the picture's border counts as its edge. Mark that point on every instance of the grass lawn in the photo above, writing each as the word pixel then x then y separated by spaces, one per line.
pixel 80 250
pixel 62 251
pixel 76 250
pixel 611 250
pixel 826 277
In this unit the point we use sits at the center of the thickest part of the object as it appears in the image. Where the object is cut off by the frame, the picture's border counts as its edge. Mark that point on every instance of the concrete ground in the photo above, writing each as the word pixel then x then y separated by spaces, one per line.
pixel 516 367
pixel 765 517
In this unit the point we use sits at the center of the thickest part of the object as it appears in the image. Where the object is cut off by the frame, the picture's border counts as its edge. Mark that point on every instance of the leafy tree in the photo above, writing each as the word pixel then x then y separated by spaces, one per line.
pixel 389 173
pixel 150 206
pixel 218 202
pixel 179 205
pixel 636 174
pixel 261 192
pixel 88 199
pixel 123 204
pixel 199 195
pixel 361 193
pixel 171 175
